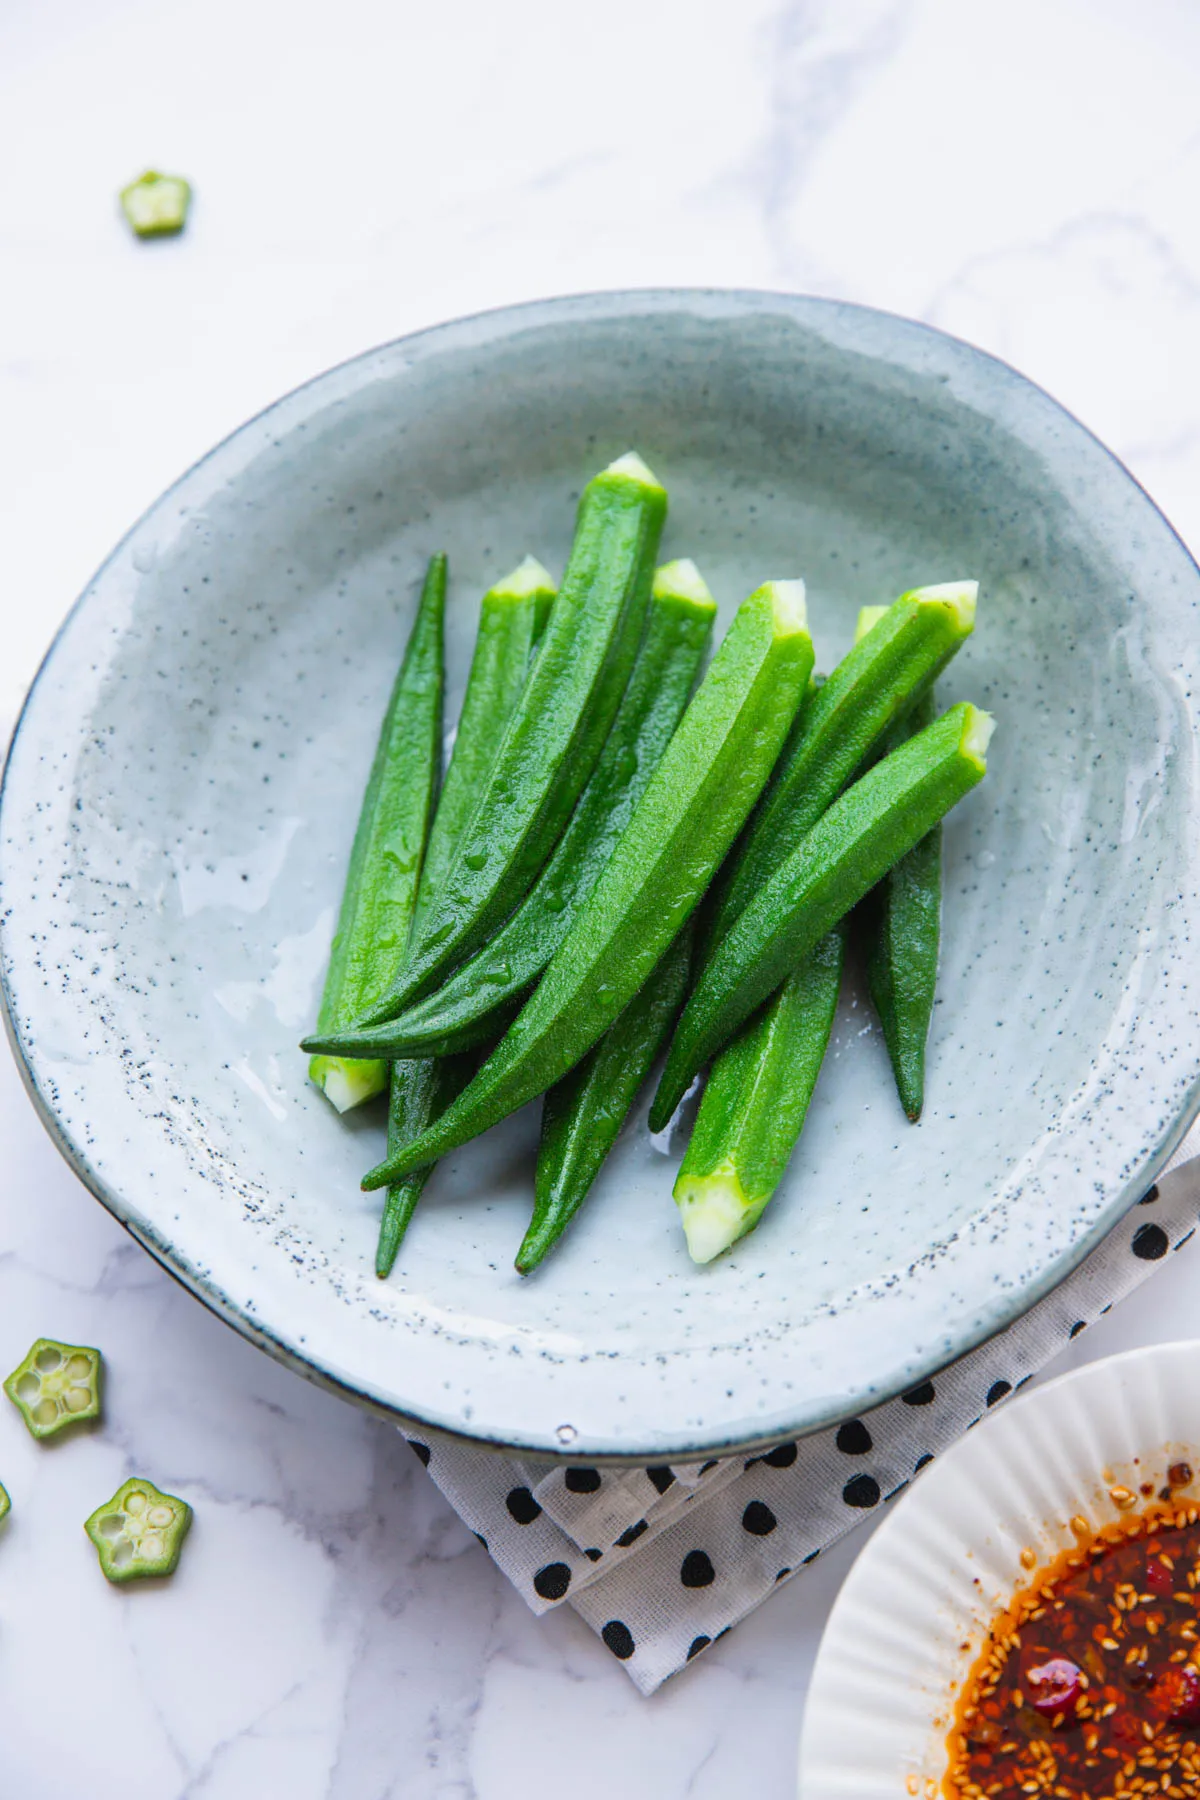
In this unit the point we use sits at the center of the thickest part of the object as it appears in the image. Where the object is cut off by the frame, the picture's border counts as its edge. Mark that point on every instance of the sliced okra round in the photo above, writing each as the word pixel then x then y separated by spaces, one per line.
pixel 156 205
pixel 57 1385
pixel 139 1532
pixel 5 1502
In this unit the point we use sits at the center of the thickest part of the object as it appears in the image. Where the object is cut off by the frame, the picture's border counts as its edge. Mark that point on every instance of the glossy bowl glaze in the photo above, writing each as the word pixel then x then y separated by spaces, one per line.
pixel 182 790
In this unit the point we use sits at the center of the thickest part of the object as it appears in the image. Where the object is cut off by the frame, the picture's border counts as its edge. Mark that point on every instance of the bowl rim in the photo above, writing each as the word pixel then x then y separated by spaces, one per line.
pixel 310 397
pixel 879 1546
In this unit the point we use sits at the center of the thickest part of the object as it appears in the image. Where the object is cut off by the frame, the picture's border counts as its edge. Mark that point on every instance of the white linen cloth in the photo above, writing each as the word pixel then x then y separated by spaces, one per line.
pixel 661 1561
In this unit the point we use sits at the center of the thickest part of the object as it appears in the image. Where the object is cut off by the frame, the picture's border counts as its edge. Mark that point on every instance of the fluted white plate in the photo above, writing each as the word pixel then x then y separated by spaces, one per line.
pixel 913 1613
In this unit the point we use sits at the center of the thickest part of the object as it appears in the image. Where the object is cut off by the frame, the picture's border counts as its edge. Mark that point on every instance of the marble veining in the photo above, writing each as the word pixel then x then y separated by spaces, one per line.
pixel 1021 175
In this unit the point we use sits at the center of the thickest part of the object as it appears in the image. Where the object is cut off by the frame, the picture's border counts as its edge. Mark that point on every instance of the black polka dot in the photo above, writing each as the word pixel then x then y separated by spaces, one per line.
pixel 593 1555
pixel 632 1535
pixel 853 1438
pixel 522 1505
pixel 758 1519
pixel 781 1457
pixel 421 1450
pixel 552 1581
pixel 922 1462
pixel 696 1570
pixel 1149 1197
pixel 1186 1238
pixel 898 1489
pixel 697 1645
pixel 582 1481
pixel 619 1639
pixel 861 1490
pixel 783 1574
pixel 920 1396
pixel 706 1466
pixel 662 1478
pixel 997 1391
pixel 1150 1242
pixel 481 1538
pixel 1077 1327
pixel 811 1557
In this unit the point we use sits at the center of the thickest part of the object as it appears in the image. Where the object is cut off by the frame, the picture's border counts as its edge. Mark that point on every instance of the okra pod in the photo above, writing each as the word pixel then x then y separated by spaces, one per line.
pixel 512 617
pixel 693 807
pixel 886 671
pixel 557 731
pixel 872 825
pixel 385 862
pixel 583 1113
pixel 754 1105
pixel 478 999
pixel 421 1089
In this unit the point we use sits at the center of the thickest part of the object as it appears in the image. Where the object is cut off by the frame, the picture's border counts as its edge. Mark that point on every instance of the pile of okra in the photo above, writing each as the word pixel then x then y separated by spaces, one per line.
pixel 622 859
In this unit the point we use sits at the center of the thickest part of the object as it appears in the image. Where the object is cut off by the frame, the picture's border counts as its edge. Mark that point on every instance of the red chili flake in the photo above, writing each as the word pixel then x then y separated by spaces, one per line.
pixel 1089 1689
pixel 1054 1686
pixel 1175 1695
pixel 1159 1578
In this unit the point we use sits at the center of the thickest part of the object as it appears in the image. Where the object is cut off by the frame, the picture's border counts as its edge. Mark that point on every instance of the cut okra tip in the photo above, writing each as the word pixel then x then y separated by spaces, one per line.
pixel 625 856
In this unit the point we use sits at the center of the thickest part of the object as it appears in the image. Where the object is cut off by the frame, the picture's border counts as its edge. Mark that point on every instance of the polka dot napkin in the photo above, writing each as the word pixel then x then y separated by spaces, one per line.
pixel 662 1561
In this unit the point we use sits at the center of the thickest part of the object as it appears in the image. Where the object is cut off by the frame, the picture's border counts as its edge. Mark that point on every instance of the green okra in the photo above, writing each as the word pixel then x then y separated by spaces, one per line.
pixel 512 617
pixel 156 205
pixel 583 1113
pixel 693 807
pixel 385 862
pixel 139 1532
pixel 421 1089
pixel 56 1385
pixel 873 824
pixel 478 1000
pixel 899 925
pixel 755 1102
pixel 886 671
pixel 557 731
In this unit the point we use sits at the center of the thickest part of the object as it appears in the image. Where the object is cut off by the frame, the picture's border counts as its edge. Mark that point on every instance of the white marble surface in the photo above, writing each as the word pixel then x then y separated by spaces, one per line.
pixel 1022 173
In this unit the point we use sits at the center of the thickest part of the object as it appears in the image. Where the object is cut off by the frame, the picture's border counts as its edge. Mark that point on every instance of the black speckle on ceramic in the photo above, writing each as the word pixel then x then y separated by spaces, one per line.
pixel 182 791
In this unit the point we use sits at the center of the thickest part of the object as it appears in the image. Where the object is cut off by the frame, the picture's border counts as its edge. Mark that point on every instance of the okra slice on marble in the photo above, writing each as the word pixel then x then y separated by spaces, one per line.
pixel 755 1102
pixel 5 1502
pixel 385 862
pixel 478 1001
pixel 512 616
pixel 156 205
pixel 421 1089
pixel 57 1385
pixel 693 807
pixel 910 643
pixel 874 823
pixel 139 1532
pixel 899 925
pixel 556 732
pixel 583 1113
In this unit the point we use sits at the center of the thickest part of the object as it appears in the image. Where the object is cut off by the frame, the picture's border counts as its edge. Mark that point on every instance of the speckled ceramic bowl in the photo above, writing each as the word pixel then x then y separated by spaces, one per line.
pixel 182 790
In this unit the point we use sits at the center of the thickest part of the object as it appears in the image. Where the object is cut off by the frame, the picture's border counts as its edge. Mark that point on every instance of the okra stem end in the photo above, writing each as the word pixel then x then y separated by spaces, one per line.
pixel 529 577
pixel 978 727
pixel 347 1082
pixel 789 603
pixel 631 464
pixel 959 597
pixel 714 1211
pixel 682 580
